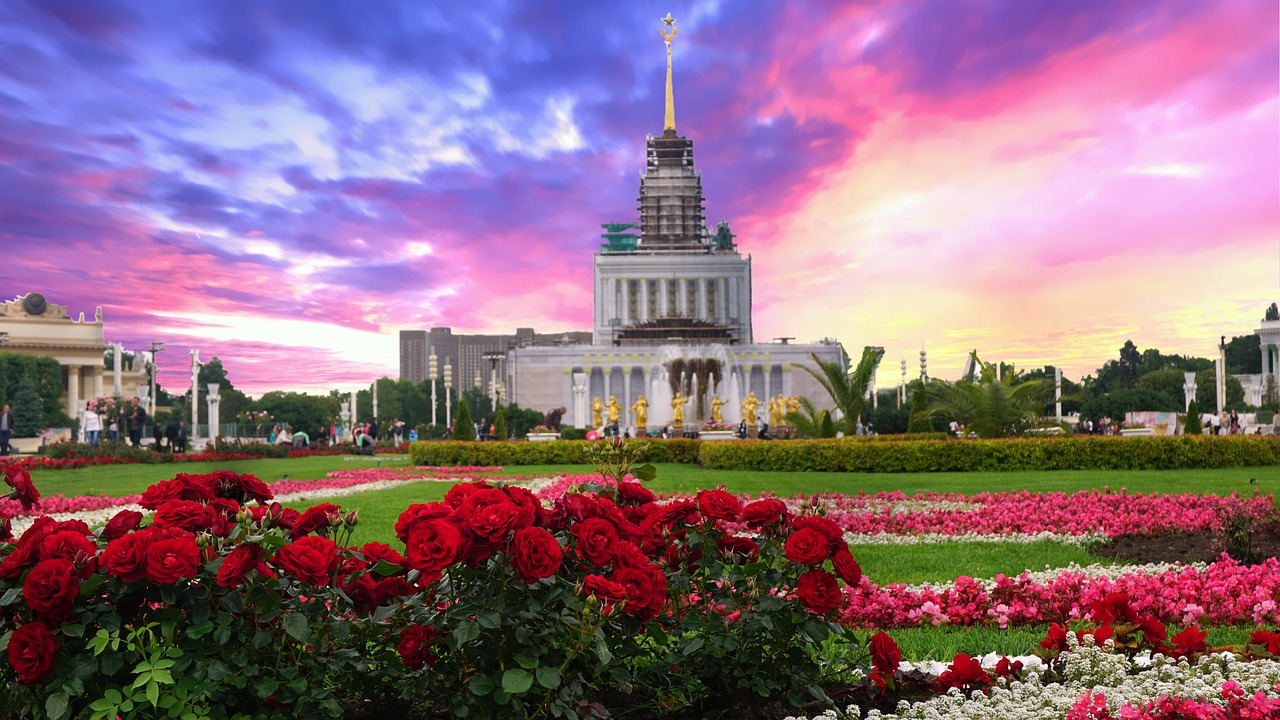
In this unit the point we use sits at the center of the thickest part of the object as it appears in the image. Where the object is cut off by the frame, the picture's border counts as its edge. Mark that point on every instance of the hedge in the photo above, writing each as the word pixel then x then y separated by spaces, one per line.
pixel 879 455
pixel 1069 453
pixel 522 452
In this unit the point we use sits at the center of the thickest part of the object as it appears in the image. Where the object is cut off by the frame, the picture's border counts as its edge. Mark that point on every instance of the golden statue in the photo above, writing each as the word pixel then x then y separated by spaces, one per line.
pixel 641 411
pixel 716 404
pixel 596 407
pixel 677 409
pixel 793 404
pixel 614 410
pixel 775 411
pixel 749 408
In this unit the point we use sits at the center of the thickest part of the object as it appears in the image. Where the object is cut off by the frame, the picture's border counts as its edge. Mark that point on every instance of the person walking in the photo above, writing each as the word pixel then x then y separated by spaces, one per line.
pixel 6 430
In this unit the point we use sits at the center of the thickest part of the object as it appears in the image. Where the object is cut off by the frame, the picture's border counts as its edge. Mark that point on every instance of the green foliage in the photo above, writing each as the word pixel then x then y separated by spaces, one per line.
pixel 463 429
pixel 560 452
pixel 500 424
pixel 1192 425
pixel 889 418
pixel 1061 453
pixel 521 420
pixel 920 420
pixel 991 407
pixel 1244 355
pixel 847 388
pixel 478 404
pixel 300 410
pixel 45 376
pixel 1273 313
pixel 1207 393
pixel 826 428
pixel 1168 381
pixel 571 433
pixel 28 415
pixel 807 423
pixel 1114 405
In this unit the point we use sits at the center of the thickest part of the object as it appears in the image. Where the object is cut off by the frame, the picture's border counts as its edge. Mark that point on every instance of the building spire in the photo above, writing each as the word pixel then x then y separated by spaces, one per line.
pixel 669 121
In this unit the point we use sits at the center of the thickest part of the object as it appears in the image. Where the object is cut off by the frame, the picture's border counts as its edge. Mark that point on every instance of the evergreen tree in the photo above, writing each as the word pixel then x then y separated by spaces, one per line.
pixel 826 428
pixel 27 410
pixel 1192 425
pixel 462 427
pixel 500 424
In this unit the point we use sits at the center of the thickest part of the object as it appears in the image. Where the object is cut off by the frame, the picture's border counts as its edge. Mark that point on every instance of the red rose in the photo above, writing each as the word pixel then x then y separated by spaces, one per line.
pixel 51 586
pixel 432 545
pixel 603 588
pixel 530 507
pixel 626 554
pixel 764 512
pixel 885 654
pixel 241 488
pixel 823 525
pixel 635 492
pixel 238 563
pixel 68 545
pixel 808 546
pixel 31 650
pixel 738 549
pixel 594 540
pixel 535 554
pixel 846 567
pixel 376 551
pixel 126 557
pixel 317 518
pixel 172 558
pixel 719 505
pixel 1267 639
pixel 415 645
pixel 646 590
pixel 120 524
pixel 420 513
pixel 311 559
pixel 965 673
pixel 6 530
pixel 181 487
pixel 23 490
pixel 495 522
pixel 185 514
pixel 819 591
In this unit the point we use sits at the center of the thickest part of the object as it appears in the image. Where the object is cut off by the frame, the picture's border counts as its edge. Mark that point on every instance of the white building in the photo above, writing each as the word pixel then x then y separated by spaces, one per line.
pixel 672 312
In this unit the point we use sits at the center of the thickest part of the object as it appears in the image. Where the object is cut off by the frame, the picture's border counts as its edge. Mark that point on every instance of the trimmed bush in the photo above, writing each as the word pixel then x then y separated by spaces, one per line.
pixel 462 427
pixel 1192 426
pixel 826 428
pixel 560 452
pixel 500 425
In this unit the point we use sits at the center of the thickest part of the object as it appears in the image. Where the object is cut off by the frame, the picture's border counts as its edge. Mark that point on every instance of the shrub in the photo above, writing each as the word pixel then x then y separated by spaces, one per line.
pixel 1192 426
pixel 826 428
pixel 521 452
pixel 573 433
pixel 920 420
pixel 500 424
pixel 462 427
pixel 28 413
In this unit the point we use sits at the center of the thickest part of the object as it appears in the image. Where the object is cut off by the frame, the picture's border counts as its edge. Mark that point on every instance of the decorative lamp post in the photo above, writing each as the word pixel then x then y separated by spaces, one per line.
pixel 432 374
pixel 1222 374
pixel 448 386
pixel 195 394
pixel 211 397
pixel 1189 387
pixel 924 364
pixel 902 387
pixel 493 356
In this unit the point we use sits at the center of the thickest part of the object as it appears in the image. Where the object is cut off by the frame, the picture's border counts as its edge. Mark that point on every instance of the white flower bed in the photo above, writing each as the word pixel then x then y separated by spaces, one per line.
pixel 1096 670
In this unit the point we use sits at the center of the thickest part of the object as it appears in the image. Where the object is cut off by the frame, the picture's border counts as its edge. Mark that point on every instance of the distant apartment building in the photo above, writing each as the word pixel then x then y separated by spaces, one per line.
pixel 465 353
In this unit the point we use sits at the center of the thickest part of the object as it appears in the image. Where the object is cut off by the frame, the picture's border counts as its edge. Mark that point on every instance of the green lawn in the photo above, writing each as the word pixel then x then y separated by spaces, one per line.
pixel 942 643
pixel 117 480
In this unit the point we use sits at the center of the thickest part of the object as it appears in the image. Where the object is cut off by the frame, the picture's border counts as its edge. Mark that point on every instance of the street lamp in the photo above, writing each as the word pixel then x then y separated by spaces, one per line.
pixel 493 356
pixel 902 388
pixel 431 373
pixel 155 348
pixel 448 386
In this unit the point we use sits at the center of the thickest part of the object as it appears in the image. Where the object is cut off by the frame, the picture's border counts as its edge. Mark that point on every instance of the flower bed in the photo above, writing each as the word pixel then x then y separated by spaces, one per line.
pixel 1222 593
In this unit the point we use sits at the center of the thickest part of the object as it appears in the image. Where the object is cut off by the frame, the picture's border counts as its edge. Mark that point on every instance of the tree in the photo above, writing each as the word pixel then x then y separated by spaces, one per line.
pixel 1273 313
pixel 826 428
pixel 1244 355
pixel 920 419
pixel 28 410
pixel 500 424
pixel 479 404
pixel 1072 392
pixel 848 390
pixel 462 427
pixel 1207 391
pixel 991 407
pixel 299 410
pixel 1169 382
pixel 806 422
pixel 1130 358
pixel 1192 425
pixel 231 401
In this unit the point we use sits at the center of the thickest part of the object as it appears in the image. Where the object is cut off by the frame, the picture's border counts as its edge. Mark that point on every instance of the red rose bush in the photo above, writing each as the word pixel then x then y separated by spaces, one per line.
pixel 221 603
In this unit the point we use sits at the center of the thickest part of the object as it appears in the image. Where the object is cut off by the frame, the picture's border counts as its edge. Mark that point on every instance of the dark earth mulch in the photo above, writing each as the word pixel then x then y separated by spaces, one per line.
pixel 1263 542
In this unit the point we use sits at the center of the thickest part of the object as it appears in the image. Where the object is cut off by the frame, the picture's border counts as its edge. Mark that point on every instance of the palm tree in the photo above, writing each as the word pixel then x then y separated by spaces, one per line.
pixel 848 390
pixel 807 423
pixel 990 406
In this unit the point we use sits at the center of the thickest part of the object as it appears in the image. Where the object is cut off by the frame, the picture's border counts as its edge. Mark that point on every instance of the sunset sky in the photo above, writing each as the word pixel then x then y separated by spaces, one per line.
pixel 287 185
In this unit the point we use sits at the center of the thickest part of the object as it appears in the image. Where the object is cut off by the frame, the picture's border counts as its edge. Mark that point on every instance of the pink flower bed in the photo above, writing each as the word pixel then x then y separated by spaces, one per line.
pixel 336 479
pixel 1223 593
pixel 1018 512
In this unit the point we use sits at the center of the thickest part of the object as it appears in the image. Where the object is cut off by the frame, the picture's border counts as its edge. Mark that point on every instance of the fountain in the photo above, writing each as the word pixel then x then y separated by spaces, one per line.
pixel 697 371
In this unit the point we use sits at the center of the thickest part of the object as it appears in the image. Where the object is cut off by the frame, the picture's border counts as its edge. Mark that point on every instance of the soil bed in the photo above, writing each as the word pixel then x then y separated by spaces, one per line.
pixel 1185 547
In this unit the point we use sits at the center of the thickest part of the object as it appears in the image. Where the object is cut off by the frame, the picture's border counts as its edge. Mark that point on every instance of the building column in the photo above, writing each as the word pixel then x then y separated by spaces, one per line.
pixel 624 297
pixel 768 383
pixel 722 300
pixel 73 389
pixel 702 298
pixel 663 310
pixel 98 372
pixel 608 382
pixel 643 309
pixel 625 415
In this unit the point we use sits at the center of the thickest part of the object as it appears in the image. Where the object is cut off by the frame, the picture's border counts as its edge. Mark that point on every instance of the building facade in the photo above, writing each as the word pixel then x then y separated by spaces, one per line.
pixel 672 315
pixel 465 355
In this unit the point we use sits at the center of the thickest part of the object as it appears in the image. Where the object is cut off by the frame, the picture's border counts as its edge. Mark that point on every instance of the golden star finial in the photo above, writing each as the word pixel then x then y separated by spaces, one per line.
pixel 669 20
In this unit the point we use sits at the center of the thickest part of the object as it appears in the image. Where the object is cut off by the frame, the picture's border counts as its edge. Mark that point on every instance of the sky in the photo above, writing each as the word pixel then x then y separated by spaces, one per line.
pixel 288 184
